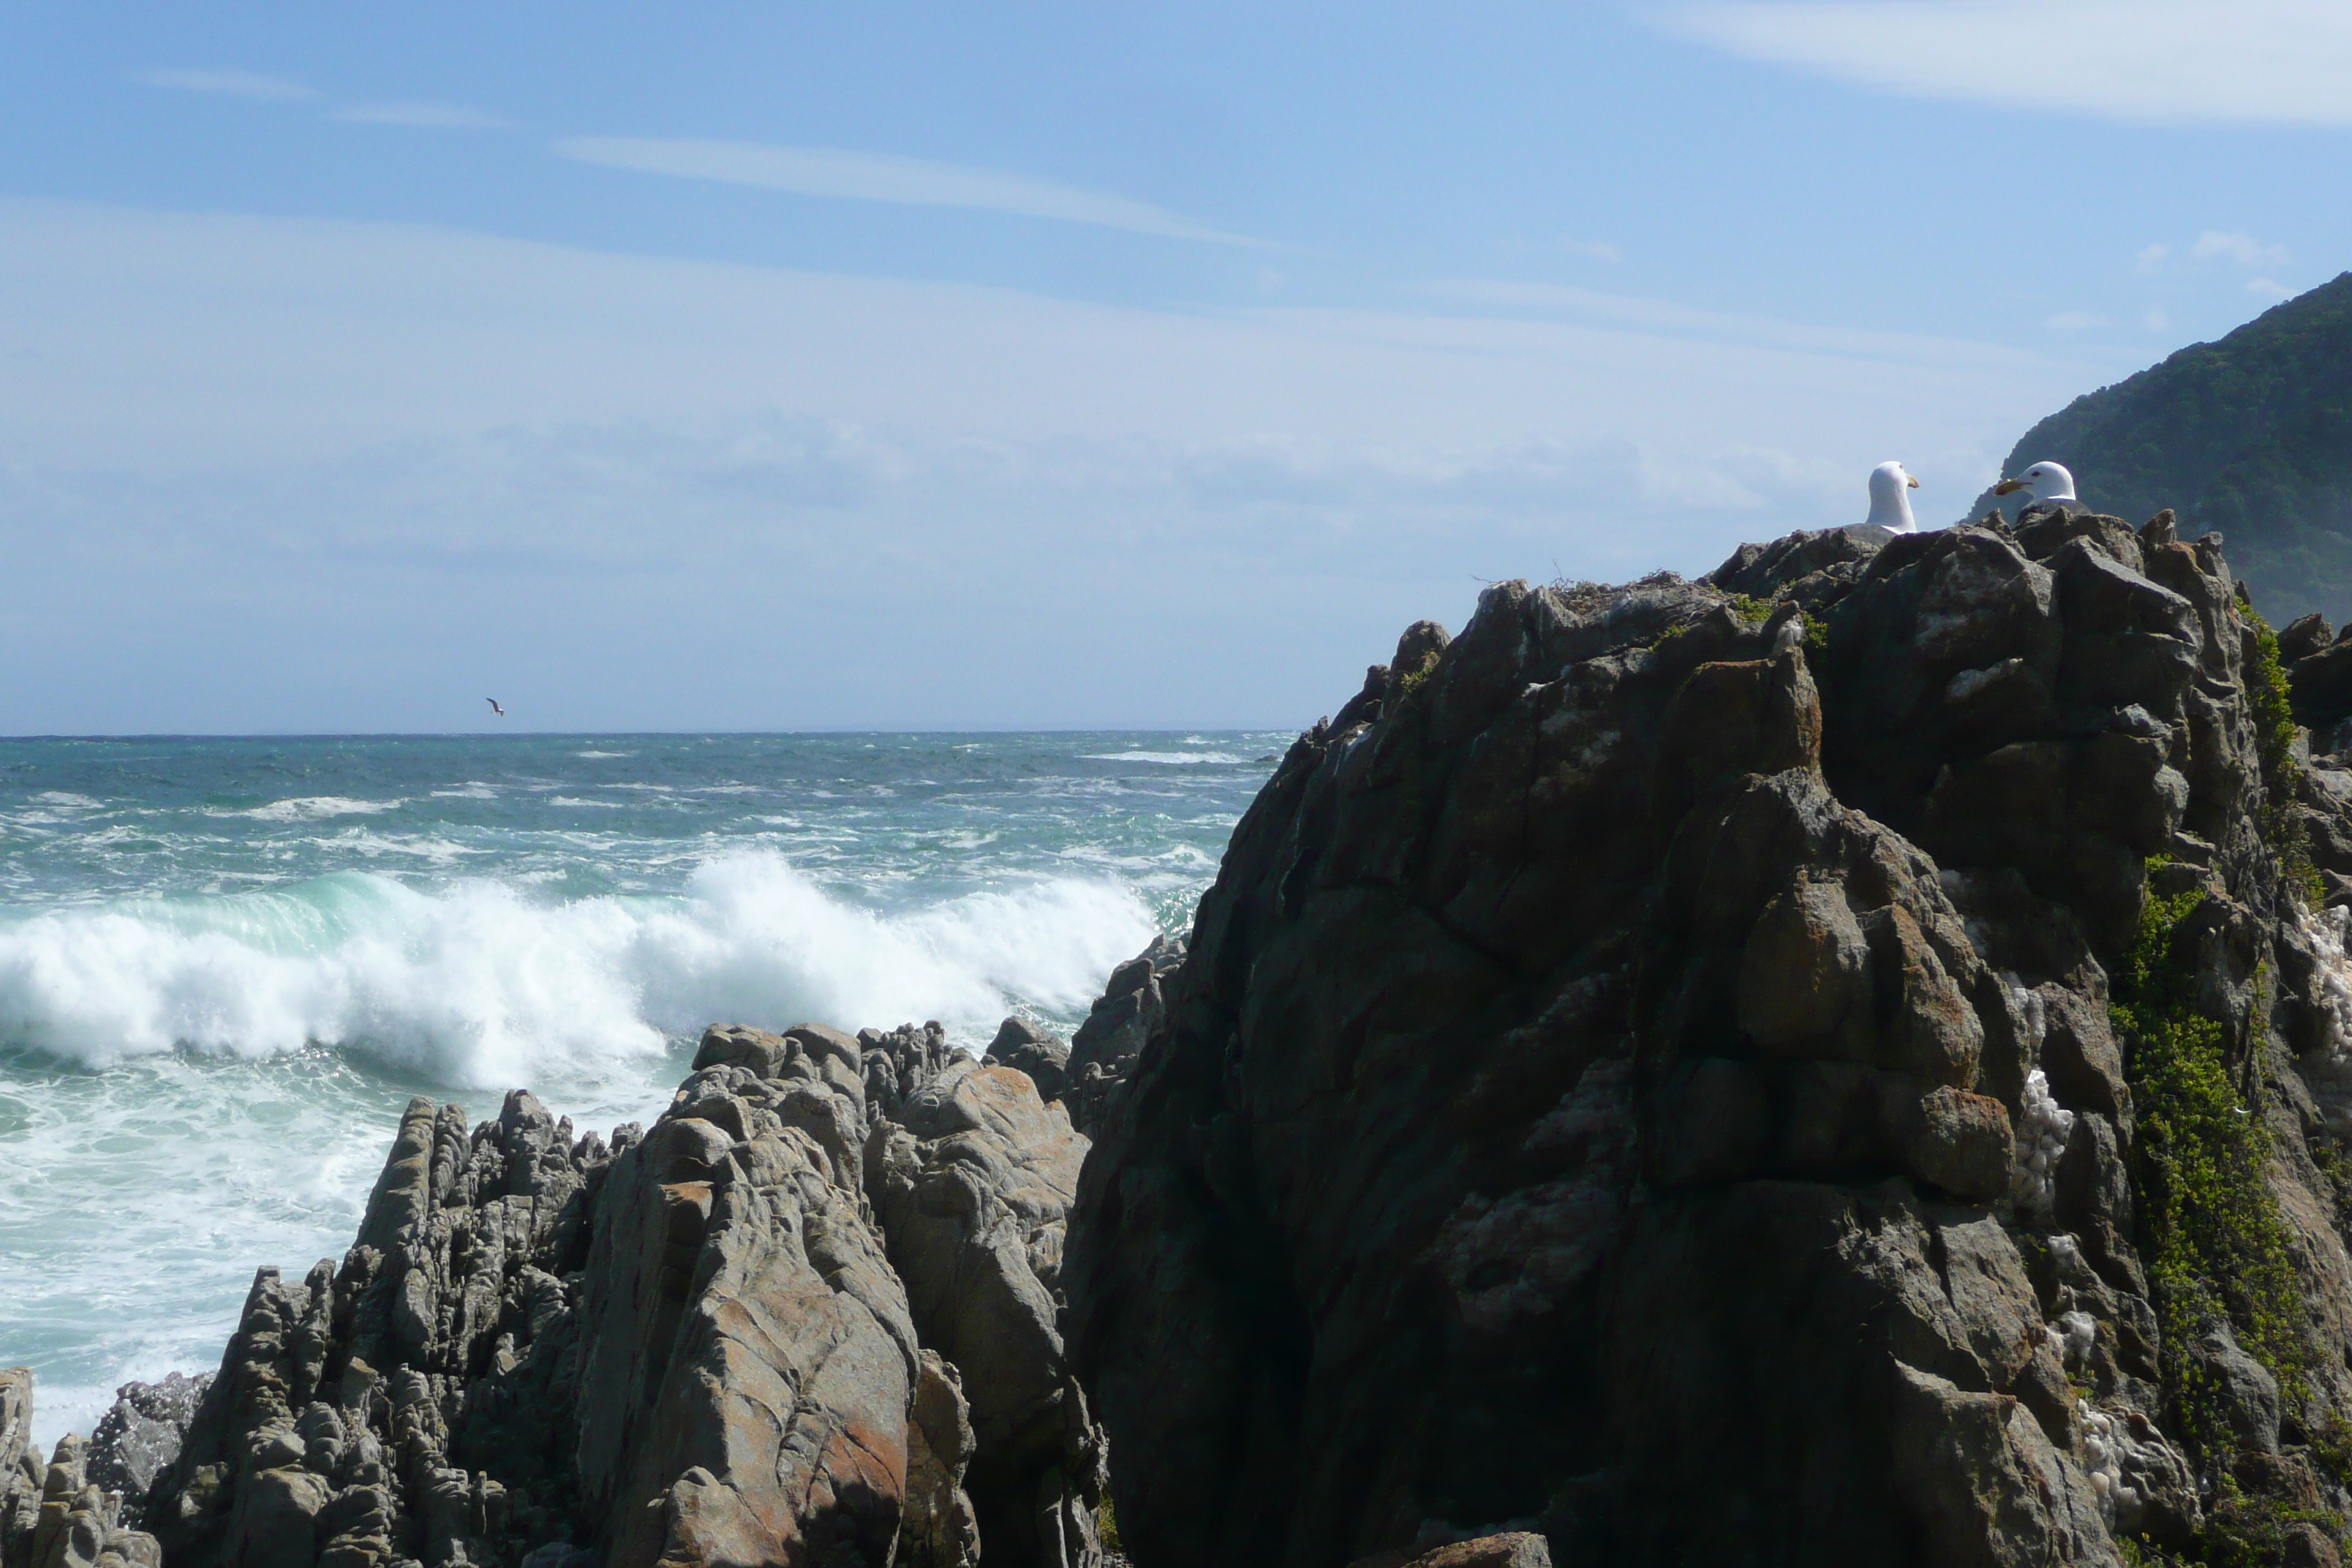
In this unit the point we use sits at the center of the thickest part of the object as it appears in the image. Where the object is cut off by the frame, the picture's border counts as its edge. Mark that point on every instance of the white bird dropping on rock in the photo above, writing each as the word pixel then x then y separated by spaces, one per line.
pixel 2042 482
pixel 2042 1133
pixel 1890 498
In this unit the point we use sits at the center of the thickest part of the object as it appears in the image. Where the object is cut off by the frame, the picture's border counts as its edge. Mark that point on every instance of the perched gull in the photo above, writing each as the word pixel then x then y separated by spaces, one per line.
pixel 2042 483
pixel 494 706
pixel 1890 499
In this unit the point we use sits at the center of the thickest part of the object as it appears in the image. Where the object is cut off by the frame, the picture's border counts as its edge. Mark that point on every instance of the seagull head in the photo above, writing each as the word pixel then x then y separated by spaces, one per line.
pixel 2043 481
pixel 1891 485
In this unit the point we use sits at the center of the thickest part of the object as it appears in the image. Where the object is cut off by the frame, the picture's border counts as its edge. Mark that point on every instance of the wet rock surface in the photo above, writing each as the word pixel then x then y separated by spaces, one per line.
pixel 138 1439
pixel 1645 1076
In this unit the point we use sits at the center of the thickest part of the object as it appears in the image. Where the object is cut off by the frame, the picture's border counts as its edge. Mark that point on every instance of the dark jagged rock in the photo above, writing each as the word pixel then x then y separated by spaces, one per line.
pixel 135 1441
pixel 411 1405
pixel 1127 1010
pixel 1649 1078
pixel 1131 1006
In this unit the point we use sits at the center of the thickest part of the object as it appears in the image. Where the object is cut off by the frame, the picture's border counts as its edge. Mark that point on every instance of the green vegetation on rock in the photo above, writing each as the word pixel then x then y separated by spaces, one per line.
pixel 2274 735
pixel 2211 1234
pixel 1106 1527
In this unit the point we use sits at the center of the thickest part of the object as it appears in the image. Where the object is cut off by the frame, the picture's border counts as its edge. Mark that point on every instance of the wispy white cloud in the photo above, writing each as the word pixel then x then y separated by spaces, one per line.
pixel 2155 321
pixel 427 115
pixel 2074 320
pixel 886 177
pixel 2150 61
pixel 2152 257
pixel 2269 289
pixel 2242 248
pixel 229 84
pixel 1664 316
pixel 1595 249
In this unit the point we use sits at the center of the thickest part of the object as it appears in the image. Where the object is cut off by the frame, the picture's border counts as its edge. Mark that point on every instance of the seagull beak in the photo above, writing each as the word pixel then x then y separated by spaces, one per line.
pixel 1908 479
pixel 2008 486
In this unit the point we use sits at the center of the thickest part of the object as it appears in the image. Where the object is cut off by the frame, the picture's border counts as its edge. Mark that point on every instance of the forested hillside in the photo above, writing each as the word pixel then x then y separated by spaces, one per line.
pixel 2251 434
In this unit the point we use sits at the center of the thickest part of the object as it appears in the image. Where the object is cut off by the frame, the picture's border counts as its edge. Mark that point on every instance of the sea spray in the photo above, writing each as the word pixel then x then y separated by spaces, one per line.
pixel 480 985
pixel 225 965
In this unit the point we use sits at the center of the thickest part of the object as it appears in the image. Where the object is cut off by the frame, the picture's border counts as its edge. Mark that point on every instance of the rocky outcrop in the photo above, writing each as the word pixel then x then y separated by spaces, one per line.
pixel 691 1346
pixel 1645 1075
pixel 1514 1549
pixel 69 1513
pixel 1849 1060
pixel 1040 1054
pixel 747 1363
pixel 973 1193
pixel 1105 1047
pixel 398 1407
pixel 20 1469
pixel 138 1439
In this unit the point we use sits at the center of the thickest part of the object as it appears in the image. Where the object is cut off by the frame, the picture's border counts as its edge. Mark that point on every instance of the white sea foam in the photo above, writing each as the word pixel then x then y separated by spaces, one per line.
pixel 477 984
pixel 315 808
pixel 1175 758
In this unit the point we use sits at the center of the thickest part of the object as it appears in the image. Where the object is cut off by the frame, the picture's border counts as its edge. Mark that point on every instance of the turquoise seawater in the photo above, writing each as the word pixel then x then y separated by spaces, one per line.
pixel 225 965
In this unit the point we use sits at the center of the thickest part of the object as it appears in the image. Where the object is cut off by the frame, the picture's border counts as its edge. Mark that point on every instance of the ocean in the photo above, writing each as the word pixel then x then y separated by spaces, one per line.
pixel 227 964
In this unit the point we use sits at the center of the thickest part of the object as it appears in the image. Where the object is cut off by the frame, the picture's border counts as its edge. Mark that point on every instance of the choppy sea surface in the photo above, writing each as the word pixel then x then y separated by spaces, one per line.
pixel 227 964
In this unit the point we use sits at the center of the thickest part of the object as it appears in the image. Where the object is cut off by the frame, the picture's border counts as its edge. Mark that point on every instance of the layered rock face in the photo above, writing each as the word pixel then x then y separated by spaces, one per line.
pixel 1827 1064
pixel 808 1318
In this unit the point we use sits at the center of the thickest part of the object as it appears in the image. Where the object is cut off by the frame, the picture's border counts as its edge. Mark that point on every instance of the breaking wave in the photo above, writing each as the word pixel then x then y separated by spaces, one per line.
pixel 477 984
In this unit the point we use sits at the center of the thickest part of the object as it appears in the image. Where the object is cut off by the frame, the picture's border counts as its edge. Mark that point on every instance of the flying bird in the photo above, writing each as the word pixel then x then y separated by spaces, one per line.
pixel 2043 483
pixel 494 706
pixel 1890 499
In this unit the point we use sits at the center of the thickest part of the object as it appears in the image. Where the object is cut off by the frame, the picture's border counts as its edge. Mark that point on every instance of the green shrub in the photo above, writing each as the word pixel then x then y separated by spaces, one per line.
pixel 2213 1238
pixel 2274 733
pixel 1107 1526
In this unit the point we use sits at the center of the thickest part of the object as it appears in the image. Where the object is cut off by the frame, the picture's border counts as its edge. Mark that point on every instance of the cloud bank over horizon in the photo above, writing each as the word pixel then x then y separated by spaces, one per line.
pixel 267 426
pixel 928 365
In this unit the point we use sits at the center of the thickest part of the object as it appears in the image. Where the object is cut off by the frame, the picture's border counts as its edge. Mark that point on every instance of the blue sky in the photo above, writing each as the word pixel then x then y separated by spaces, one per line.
pixel 734 367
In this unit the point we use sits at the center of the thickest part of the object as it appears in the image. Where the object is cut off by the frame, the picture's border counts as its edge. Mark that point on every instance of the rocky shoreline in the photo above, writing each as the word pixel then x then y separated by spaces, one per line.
pixel 810 1315
pixel 1846 1061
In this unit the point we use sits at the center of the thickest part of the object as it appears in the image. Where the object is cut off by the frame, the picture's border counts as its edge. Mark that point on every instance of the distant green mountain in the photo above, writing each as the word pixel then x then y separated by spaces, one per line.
pixel 2250 435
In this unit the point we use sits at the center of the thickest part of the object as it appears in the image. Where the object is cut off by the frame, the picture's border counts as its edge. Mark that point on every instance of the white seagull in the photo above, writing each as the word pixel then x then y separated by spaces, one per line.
pixel 1890 498
pixel 494 706
pixel 2042 482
